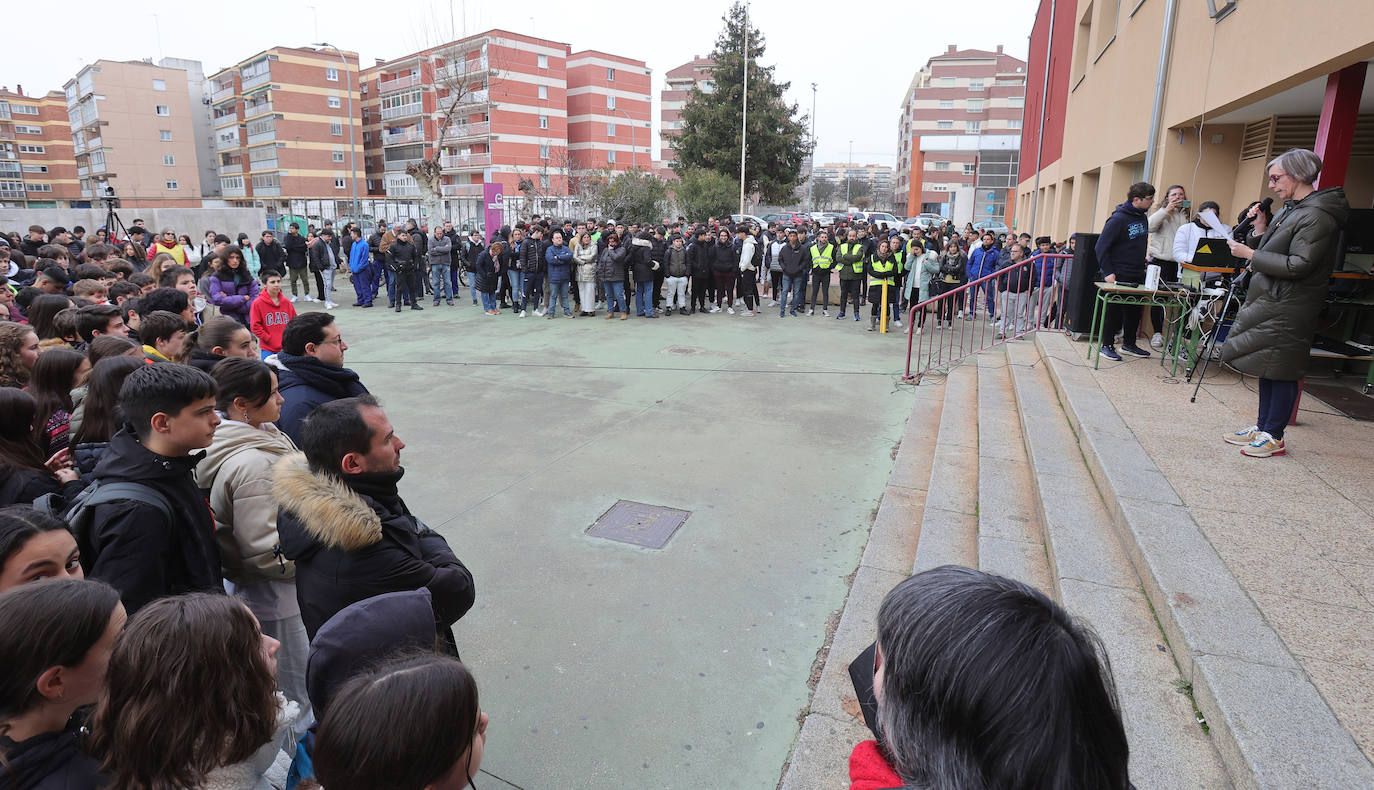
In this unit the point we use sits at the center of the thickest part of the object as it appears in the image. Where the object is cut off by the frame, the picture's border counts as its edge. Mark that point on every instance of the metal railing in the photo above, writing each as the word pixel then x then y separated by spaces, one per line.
pixel 254 110
pixel 253 81
pixel 408 135
pixel 397 83
pixel 460 190
pixel 461 161
pixel 404 110
pixel 223 93
pixel 458 131
pixel 943 340
pixel 227 119
pixel 459 68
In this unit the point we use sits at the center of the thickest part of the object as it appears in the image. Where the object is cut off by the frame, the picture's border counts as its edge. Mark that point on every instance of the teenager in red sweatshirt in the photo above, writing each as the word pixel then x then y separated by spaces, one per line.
pixel 269 314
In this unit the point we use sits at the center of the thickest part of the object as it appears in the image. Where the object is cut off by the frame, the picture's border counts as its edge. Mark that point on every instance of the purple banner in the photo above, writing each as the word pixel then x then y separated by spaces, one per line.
pixel 492 201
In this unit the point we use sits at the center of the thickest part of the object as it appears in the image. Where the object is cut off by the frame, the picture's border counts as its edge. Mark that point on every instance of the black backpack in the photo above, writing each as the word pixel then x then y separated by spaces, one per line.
pixel 758 254
pixel 80 511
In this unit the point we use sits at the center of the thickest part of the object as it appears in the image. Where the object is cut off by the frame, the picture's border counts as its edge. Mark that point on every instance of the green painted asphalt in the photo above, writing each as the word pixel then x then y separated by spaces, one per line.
pixel 605 665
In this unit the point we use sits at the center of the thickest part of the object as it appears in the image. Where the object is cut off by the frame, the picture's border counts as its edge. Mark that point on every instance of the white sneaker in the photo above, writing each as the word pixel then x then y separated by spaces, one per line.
pixel 825 313
pixel 1157 341
pixel 812 311
pixel 960 314
pixel 716 309
pixel 747 312
pixel 739 300
pixel 897 321
pixel 328 305
pixel 992 323
pixel 730 310
pixel 918 330
pixel 522 313
pixel 772 302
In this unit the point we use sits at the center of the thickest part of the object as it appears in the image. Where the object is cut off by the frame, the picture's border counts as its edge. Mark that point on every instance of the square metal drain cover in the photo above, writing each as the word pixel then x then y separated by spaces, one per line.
pixel 639 524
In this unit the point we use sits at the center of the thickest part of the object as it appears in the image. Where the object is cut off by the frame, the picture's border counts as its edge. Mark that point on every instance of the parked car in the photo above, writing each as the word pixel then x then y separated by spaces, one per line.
pixel 924 222
pixel 786 218
pixel 822 218
pixel 883 221
pixel 758 221
pixel 997 227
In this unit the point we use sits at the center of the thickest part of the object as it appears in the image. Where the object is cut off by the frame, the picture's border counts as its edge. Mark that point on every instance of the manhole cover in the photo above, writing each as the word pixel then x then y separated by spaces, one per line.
pixel 639 524
pixel 683 350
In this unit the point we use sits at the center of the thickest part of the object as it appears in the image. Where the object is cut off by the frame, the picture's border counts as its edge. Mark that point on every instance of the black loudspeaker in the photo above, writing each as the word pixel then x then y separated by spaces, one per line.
pixel 1082 294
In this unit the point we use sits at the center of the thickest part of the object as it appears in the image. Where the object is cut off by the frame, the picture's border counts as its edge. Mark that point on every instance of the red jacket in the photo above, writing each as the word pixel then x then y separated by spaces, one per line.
pixel 267 319
pixel 869 770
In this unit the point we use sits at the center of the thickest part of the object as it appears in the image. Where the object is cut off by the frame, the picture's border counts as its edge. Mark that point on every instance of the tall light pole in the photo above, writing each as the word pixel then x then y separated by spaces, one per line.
pixel 633 152
pixel 352 152
pixel 744 114
pixel 811 177
pixel 847 168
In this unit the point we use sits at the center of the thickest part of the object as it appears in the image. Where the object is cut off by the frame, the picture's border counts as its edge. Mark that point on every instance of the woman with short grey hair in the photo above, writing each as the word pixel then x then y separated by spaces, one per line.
pixel 1291 259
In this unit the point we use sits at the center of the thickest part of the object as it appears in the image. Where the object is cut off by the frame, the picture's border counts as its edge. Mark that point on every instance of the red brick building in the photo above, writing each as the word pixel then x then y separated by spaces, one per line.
pixel 679 82
pixel 37 167
pixel 609 109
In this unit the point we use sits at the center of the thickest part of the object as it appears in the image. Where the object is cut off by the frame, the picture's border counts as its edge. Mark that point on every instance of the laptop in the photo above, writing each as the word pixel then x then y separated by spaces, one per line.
pixel 1215 254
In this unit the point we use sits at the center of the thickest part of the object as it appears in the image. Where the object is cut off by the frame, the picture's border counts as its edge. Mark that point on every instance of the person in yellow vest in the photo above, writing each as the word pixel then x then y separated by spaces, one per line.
pixel 882 271
pixel 167 243
pixel 822 263
pixel 850 261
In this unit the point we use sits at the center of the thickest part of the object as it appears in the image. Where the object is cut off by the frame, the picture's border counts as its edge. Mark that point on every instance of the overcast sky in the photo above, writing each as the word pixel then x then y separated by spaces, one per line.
pixel 858 97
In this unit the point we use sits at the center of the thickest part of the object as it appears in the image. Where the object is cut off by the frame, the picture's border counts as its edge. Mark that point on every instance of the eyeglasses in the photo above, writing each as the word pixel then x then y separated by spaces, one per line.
pixel 338 340
pixel 1275 179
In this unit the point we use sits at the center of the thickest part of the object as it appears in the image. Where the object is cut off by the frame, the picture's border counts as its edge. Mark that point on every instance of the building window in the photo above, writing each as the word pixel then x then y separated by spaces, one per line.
pixel 172 184
pixel 543 122
pixel 610 157
pixel 975 105
pixel 367 137
pixel 610 102
pixel 973 127
pixel 946 105
pixel 338 183
pixel 20 128
pixel 39 187
pixel 32 149
pixel 543 61
pixel 610 75
pixel 1016 101
pixel 163 109
pixel 942 165
pixel 544 151
pixel 610 130
pixel 24 109
pixel 338 156
pixel 169 159
pixel 939 187
pixel 944 125
pixel 164 135
pixel 331 74
pixel 334 102
pixel 946 82
pixel 35 168
pixel 975 84
pixel 969 168
pixel 543 91
pixel 159 85
pixel 336 128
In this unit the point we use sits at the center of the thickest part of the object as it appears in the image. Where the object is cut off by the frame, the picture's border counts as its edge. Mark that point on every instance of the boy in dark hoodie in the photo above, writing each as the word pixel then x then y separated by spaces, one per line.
pixel 1121 251
pixel 131 544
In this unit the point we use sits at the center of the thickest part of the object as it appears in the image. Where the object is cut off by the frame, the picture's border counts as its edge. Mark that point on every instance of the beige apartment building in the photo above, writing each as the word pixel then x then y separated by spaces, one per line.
pixel 282 128
pixel 678 83
pixel 37 167
pixel 1243 82
pixel 132 128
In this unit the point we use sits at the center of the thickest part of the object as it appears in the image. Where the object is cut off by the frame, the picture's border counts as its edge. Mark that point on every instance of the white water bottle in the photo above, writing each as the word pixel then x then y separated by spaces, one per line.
pixel 1152 277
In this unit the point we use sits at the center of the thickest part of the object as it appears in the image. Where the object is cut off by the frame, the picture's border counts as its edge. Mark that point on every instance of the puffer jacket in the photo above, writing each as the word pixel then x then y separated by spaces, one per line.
pixel 792 261
pixel 642 251
pixel 724 259
pixel 402 256
pixel 558 259
pixel 1272 335
pixel 234 299
pixel 925 270
pixel 699 258
pixel 237 472
pixel 676 263
pixel 610 267
pixel 584 261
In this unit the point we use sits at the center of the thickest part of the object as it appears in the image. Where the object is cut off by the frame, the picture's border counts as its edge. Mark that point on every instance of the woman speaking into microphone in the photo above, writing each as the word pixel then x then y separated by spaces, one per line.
pixel 1290 264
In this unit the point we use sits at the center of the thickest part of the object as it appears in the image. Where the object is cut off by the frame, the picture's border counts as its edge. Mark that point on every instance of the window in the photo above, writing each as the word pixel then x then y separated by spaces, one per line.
pixel 1014 123
pixel 35 168
pixel 946 105
pixel 544 151
pixel 946 82
pixel 338 183
pixel 338 156
pixel 610 75
pixel 944 125
pixel 32 149
pixel 973 127
pixel 24 109
pixel 22 129
pixel 975 84
pixel 543 122
pixel 367 136
pixel 610 130
pixel 164 135
pixel 1016 101
pixel 939 187
pixel 40 187
pixel 169 159
pixel 942 165
pixel 543 61
pixel 334 102
pixel 335 128
pixel 172 184
pixel 163 109
pixel 159 85
pixel 331 74
pixel 975 105
pixel 610 157
pixel 969 168
pixel 610 102
pixel 543 91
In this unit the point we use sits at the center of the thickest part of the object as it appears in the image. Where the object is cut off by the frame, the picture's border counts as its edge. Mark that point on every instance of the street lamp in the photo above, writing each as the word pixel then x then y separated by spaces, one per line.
pixel 811 178
pixel 352 152
pixel 633 152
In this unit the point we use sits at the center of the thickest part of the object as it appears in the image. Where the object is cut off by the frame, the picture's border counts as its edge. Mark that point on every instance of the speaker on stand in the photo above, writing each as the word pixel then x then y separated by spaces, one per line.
pixel 1082 293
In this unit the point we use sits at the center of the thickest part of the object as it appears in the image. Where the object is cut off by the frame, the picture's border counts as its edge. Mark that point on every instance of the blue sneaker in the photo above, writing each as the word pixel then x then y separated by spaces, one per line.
pixel 1108 352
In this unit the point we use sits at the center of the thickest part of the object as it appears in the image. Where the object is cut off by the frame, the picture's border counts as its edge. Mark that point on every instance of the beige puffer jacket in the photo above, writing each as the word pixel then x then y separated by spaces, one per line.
pixel 237 470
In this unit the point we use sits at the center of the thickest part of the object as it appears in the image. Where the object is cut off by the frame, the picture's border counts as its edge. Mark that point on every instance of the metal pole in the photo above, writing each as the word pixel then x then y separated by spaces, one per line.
pixel 352 149
pixel 744 115
pixel 1166 43
pixel 847 168
pixel 1040 134
pixel 811 178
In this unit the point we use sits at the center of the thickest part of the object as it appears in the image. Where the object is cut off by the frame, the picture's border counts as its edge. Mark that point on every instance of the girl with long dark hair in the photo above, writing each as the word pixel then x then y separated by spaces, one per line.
pixel 100 417
pixel 25 473
pixel 231 285
pixel 55 375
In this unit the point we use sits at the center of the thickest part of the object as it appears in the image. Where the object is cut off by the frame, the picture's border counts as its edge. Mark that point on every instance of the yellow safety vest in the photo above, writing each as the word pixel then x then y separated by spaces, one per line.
pixel 822 259
pixel 884 270
pixel 849 249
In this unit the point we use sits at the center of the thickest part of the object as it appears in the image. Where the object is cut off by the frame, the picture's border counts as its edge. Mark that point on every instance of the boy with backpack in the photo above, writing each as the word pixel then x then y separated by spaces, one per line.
pixel 156 538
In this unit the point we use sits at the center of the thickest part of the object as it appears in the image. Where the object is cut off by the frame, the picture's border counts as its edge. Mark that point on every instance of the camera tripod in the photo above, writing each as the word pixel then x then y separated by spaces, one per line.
pixel 115 229
pixel 1209 346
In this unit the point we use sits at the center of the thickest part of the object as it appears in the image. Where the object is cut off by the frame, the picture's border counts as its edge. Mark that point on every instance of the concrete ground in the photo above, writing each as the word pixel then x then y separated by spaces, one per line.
pixel 606 665
pixel 1294 530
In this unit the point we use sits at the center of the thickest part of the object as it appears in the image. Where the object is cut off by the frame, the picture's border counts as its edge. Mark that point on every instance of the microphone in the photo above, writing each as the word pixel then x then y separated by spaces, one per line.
pixel 1243 229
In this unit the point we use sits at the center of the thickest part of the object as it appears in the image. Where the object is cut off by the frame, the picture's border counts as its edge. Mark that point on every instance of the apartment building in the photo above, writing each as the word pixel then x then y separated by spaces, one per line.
pixel 282 128
pixel 1229 103
pixel 37 167
pixel 959 136
pixel 609 111
pixel 678 84
pixel 877 179
pixel 132 128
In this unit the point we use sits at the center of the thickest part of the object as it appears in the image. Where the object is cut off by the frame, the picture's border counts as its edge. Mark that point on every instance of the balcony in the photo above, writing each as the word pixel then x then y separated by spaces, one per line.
pixel 254 110
pixel 6 131
pixel 231 169
pixel 227 119
pixel 83 171
pixel 18 194
pixel 233 191
pixel 273 191
pixel 398 165
pixel 408 135
pixel 261 78
pixel 97 167
pixel 459 131
pixel 263 164
pixel 403 111
pixel 464 161
pixel 8 155
pixel 263 137
pixel 460 69
pixel 401 186
pixel 476 98
pixel 223 93
pixel 461 190
pixel 94 143
pixel 223 144
pixel 11 167
pixel 397 83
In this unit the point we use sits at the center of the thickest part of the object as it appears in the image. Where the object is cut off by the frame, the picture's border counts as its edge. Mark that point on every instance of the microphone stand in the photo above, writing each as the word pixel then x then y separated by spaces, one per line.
pixel 1237 280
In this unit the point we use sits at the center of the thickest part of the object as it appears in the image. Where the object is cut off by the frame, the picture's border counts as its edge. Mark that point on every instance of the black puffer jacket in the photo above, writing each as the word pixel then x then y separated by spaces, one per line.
pixel 352 537
pixel 403 257
pixel 610 267
pixel 642 255
pixel 699 258
pixel 1272 335
pixel 306 382
pixel 724 259
pixel 132 546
